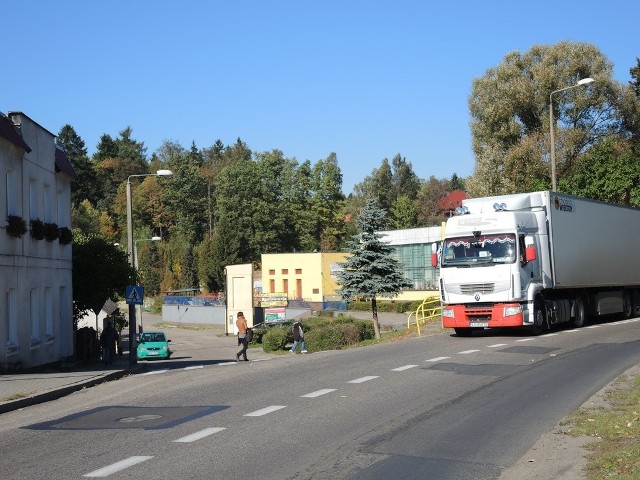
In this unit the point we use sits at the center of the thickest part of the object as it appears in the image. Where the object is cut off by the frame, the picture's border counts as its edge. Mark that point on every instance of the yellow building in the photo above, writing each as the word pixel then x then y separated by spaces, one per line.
pixel 301 276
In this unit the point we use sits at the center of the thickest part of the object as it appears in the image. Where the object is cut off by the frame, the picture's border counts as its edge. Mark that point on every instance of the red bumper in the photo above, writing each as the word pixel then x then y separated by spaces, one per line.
pixel 486 316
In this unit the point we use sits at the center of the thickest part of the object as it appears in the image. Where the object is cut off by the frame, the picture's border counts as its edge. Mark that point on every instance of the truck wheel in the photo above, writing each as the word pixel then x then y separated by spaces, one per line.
pixel 463 332
pixel 627 306
pixel 579 315
pixel 539 319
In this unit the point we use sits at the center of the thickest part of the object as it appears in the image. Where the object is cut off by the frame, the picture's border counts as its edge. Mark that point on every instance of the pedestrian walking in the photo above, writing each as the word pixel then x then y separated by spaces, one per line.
pixel 298 337
pixel 241 323
pixel 108 340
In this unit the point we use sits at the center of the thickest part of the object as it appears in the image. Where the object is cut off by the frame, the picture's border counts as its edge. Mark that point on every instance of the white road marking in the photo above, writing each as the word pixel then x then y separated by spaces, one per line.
pixel 317 393
pixel 571 331
pixel 362 379
pixel 550 334
pixel 466 352
pixel 525 340
pixel 400 369
pixel 228 363
pixel 194 367
pixel 116 467
pixel 156 372
pixel 264 411
pixel 594 326
pixel 199 435
pixel 437 359
pixel 496 345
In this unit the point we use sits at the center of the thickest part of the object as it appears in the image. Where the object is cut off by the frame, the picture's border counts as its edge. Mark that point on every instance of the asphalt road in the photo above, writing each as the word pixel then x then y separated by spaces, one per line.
pixel 437 407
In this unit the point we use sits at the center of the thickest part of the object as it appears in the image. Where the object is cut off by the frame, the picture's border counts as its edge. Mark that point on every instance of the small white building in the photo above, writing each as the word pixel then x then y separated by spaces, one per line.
pixel 36 310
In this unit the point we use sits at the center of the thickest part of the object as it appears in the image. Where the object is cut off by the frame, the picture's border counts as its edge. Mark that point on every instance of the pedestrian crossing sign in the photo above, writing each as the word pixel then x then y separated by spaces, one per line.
pixel 134 294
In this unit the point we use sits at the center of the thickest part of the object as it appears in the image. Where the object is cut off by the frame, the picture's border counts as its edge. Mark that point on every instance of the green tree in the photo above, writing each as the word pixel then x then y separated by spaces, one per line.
pixel 509 108
pixel 85 186
pixel 609 171
pixel 371 271
pixel 327 202
pixel 404 213
pixel 186 194
pixel 101 271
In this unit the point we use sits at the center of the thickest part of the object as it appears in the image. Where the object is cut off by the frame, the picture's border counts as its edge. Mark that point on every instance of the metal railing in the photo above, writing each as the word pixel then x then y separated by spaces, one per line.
pixel 428 309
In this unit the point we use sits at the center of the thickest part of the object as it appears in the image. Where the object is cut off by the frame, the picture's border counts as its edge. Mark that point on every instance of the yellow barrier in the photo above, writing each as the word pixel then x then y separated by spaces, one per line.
pixel 428 309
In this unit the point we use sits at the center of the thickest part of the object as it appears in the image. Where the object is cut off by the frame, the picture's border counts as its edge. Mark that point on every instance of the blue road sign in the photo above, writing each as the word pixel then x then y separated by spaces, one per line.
pixel 134 295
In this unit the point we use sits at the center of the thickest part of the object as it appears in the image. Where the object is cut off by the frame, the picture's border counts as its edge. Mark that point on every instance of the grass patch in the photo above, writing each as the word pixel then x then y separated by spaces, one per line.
pixel 616 426
pixel 15 396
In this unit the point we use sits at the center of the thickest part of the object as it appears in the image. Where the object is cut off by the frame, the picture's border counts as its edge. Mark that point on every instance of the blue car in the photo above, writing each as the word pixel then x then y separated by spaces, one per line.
pixel 153 345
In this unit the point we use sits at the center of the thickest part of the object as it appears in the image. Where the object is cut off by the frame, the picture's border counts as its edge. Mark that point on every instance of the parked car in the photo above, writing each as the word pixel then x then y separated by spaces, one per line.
pixel 153 345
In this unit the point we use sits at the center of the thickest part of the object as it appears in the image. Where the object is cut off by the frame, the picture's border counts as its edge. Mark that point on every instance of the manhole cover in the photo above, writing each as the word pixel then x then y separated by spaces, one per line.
pixel 139 418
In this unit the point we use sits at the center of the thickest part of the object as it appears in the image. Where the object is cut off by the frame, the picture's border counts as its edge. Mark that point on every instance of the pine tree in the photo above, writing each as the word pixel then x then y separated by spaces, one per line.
pixel 371 271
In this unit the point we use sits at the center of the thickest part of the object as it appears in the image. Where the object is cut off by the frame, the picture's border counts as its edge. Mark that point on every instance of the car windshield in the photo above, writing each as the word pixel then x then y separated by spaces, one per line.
pixel 152 337
pixel 479 250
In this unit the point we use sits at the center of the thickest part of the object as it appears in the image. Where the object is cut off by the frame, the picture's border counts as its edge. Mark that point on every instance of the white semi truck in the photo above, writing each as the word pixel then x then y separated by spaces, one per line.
pixel 538 259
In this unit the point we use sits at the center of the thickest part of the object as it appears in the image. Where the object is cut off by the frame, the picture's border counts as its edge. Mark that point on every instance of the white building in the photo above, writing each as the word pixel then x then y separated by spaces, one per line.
pixel 36 313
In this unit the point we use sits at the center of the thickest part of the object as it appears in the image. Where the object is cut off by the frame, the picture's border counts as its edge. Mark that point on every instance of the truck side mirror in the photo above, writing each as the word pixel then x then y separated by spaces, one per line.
pixel 530 253
pixel 434 255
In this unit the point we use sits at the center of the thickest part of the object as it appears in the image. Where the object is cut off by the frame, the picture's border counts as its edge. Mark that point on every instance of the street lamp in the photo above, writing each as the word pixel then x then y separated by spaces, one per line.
pixel 584 81
pixel 130 246
pixel 135 257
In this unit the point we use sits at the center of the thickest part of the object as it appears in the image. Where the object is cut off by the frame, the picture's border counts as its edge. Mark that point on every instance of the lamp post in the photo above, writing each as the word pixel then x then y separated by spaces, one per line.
pixel 135 259
pixel 584 81
pixel 130 246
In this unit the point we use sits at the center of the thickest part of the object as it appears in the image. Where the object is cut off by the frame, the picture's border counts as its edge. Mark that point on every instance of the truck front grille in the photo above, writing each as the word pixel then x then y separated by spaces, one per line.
pixel 471 288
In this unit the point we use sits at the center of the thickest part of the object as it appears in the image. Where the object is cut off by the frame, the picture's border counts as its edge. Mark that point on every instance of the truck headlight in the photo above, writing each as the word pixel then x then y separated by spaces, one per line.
pixel 510 311
pixel 447 312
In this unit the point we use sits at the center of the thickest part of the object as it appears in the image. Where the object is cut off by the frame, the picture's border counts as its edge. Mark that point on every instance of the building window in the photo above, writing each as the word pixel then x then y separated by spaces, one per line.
pixel 12 194
pixel 48 315
pixel 272 286
pixel 47 204
pixel 285 287
pixel 35 317
pixel 415 263
pixel 33 200
pixel 272 271
pixel 298 271
pixel 12 322
pixel 285 271
pixel 316 291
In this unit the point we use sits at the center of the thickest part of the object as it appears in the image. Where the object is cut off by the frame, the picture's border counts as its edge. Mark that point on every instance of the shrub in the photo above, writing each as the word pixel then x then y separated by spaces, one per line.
pixel 351 334
pixel 65 236
pixel 328 337
pixel 16 226
pixel 51 232
pixel 37 228
pixel 275 338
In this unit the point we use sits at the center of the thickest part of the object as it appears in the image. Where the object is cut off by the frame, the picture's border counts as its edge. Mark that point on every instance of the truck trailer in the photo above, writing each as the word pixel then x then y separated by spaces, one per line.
pixel 538 259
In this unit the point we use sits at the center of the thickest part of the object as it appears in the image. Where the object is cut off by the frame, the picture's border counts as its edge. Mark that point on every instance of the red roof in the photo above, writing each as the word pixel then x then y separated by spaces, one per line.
pixel 452 200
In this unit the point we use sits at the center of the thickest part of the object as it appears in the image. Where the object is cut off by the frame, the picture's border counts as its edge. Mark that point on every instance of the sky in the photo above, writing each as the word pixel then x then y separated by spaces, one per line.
pixel 366 80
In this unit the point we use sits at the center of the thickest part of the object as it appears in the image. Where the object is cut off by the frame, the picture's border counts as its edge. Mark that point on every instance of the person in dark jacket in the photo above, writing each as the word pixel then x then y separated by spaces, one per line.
pixel 108 341
pixel 298 337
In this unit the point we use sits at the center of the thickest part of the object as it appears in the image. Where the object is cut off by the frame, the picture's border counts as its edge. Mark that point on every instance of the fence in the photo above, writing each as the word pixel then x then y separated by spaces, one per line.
pixel 428 309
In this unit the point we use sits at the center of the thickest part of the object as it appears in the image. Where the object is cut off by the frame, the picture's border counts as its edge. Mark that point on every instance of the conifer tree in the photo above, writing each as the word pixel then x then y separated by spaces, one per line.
pixel 371 271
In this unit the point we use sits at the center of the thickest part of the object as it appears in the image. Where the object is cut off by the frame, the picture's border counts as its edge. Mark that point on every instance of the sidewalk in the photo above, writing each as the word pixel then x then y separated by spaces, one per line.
pixel 21 390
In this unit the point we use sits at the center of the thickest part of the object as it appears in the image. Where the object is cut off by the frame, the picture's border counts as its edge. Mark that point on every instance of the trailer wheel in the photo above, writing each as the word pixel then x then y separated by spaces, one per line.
pixel 540 322
pixel 463 332
pixel 627 306
pixel 579 315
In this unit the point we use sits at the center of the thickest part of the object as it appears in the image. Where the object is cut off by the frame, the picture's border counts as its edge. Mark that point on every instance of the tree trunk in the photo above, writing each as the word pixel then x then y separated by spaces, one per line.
pixel 374 310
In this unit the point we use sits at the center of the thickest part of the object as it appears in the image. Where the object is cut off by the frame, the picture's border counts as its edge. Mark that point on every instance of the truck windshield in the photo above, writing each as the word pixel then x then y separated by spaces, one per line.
pixel 479 250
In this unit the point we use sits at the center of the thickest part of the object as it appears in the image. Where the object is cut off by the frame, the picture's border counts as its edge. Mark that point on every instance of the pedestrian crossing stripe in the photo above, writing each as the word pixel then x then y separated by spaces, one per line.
pixel 134 294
